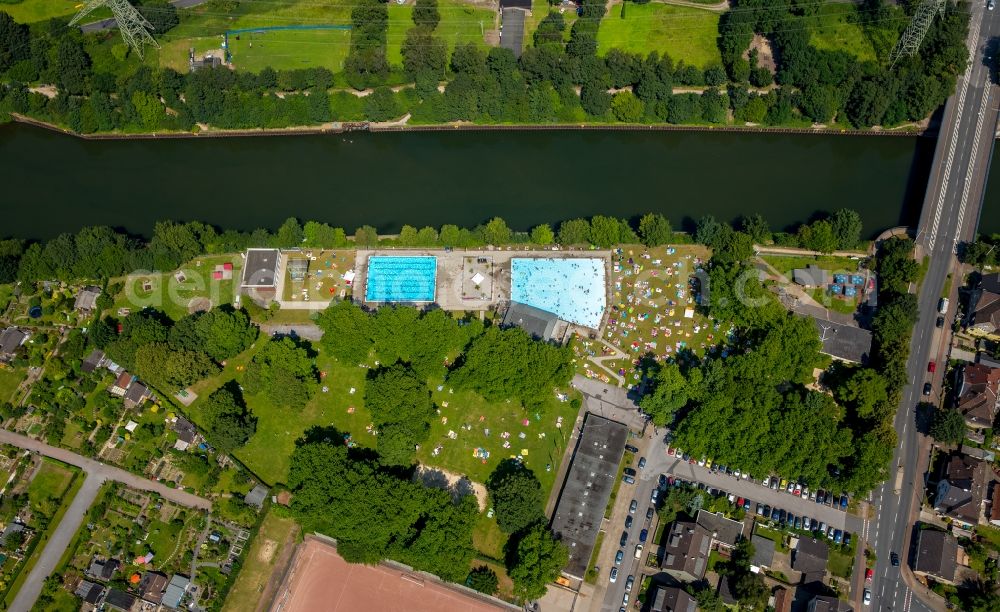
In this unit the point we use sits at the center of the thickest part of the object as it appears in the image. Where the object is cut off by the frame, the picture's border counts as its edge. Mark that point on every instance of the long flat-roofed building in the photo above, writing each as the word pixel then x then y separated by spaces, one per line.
pixel 587 488
pixel 261 272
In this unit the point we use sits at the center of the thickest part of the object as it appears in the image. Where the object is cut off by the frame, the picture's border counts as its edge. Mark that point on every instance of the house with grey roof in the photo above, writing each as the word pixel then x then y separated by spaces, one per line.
pixel 725 532
pixel 256 496
pixel 175 592
pixel 810 276
pixel 86 299
pixel 11 339
pixel 673 599
pixel 685 550
pixel 961 490
pixel 763 552
pixel 937 555
pixel 538 323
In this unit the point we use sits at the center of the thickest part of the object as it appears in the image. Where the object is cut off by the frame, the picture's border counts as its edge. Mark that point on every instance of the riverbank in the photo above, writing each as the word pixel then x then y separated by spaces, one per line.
pixel 338 127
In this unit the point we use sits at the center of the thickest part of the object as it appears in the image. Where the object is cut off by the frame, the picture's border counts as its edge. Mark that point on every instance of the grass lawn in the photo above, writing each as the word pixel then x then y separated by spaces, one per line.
pixel 487 537
pixel 775 536
pixel 834 265
pixel 267 548
pixel 834 27
pixel 990 534
pixel 324 276
pixel 174 291
pixel 72 437
pixel 10 378
pixel 6 290
pixel 286 49
pixel 460 23
pixel 651 296
pixel 539 10
pixel 840 563
pixel 50 482
pixel 683 33
pixel 30 11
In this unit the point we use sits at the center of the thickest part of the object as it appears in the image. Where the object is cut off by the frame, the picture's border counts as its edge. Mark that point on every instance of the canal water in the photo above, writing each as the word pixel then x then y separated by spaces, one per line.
pixel 53 183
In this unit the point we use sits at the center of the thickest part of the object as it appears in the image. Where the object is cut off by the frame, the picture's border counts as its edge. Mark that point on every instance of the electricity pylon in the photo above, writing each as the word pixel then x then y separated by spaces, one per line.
pixel 914 34
pixel 133 26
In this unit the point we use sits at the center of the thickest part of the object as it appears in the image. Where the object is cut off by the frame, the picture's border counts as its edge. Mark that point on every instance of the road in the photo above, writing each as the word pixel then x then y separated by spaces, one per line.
pixel 107 24
pixel 96 474
pixel 950 215
pixel 103 471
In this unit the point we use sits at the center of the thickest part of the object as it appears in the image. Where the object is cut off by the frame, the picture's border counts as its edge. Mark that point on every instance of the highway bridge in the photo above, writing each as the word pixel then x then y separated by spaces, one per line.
pixel 949 217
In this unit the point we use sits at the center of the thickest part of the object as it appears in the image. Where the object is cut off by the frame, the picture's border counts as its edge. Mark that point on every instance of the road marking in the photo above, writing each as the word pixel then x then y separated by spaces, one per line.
pixel 972 161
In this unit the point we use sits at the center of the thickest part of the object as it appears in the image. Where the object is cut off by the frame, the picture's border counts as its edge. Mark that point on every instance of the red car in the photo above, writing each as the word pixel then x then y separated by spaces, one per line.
pixel 931 366
pixel 739 502
pixel 868 575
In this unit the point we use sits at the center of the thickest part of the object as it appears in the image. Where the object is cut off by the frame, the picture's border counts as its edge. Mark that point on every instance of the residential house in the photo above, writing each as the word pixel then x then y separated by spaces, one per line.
pixel 9 530
pixel 186 433
pixel 94 361
pixel 725 532
pixel 176 590
pixel 120 600
pixel 961 490
pixel 136 395
pixel 121 384
pixel 809 557
pixel 937 554
pixel 673 599
pixel 976 394
pixel 825 603
pixel 11 339
pixel 763 553
pixel 810 276
pixel 152 585
pixel 978 453
pixel 89 592
pixel 783 599
pixel 86 299
pixel 725 591
pixel 256 496
pixel 983 318
pixel 685 551
pixel 103 570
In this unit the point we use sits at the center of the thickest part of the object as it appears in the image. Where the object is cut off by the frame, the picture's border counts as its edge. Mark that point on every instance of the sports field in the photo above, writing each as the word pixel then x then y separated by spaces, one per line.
pixel 683 33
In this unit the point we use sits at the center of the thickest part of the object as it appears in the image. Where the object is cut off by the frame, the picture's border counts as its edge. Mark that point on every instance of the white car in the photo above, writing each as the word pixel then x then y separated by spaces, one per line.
pixel 638 551
pixel 868 594
pixel 628 584
pixel 766 483
pixel 625 600
pixel 614 574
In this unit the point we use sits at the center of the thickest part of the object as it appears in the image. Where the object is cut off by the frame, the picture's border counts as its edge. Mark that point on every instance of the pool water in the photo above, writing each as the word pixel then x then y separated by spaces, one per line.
pixel 401 279
pixel 571 288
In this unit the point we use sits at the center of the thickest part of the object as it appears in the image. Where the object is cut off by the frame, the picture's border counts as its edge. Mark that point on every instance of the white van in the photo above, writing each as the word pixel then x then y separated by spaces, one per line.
pixel 943 306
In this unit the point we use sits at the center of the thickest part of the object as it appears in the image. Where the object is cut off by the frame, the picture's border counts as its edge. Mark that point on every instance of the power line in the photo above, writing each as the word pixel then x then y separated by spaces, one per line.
pixel 914 34
pixel 133 26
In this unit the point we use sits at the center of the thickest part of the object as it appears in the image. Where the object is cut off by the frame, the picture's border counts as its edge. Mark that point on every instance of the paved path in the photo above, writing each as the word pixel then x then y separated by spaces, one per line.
pixel 57 544
pixel 105 472
pixel 772 250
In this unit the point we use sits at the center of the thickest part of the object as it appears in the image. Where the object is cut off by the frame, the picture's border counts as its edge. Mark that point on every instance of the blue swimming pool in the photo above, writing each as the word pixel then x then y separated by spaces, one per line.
pixel 571 288
pixel 401 279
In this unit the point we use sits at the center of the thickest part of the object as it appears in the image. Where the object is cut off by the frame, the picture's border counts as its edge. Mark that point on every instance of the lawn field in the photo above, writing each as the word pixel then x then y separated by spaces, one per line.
pixel 834 27
pixel 30 11
pixel 683 33
pixel 10 378
pixel 49 484
pixel 539 10
pixel 275 536
pixel 174 291
pixel 287 49
pixel 785 264
pixel 460 23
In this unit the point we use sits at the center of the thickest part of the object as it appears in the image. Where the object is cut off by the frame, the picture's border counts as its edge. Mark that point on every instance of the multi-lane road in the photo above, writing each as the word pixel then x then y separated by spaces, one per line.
pixel 950 216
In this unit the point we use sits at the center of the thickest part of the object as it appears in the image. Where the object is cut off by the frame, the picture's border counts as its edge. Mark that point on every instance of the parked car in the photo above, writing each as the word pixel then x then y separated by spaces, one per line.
pixel 812 495
pixel 869 573
pixel 894 559
pixel 633 506
pixel 701 462
pixel 654 495
pixel 847 539
pixel 628 584
pixel 774 484
pixel 806 523
pixel 746 504
pixel 739 502
pixel 638 551
pixel 843 502
pixel 767 511
pixel 631 448
pixel 629 471
pixel 927 388
pixel 766 482
pixel 783 484
pixel 931 366
pixel 822 528
pixel 649 513
pixel 619 557
pixel 790 488
pixel 760 509
pixel 798 522
pixel 731 498
pixel 662 481
pixel 943 306
pixel 820 496
pixel 628 522
pixel 614 574
pixel 628 479
pixel 775 512
pixel 797 490
pixel 838 536
pixel 830 531
pixel 868 594
pixel 642 535
pixel 624 539
pixel 781 516
pixel 642 462
pixel 625 600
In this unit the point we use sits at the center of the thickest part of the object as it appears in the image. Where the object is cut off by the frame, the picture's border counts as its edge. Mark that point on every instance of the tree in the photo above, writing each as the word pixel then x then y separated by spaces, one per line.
pixel 655 230
pixel 15 42
pixel 228 421
pixel 380 105
pixel 864 390
pixel 537 561
pixel 171 369
pixel 482 579
pixel 161 15
pixel 290 235
pixel 551 30
pixel 818 236
pixel 424 53
pixel 72 66
pixel 542 234
pixel 425 14
pixel 283 372
pixel 670 394
pixel 948 426
pixel 401 409
pixel 757 227
pixel 895 265
pixel 496 232
pixel 574 231
pixel 626 107
pixel 516 496
pixel 846 228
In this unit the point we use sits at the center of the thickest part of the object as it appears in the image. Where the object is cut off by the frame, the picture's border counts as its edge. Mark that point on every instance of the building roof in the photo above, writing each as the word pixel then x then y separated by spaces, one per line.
pixel 535 321
pixel 104 570
pixel 124 380
pixel 723 530
pixel 256 496
pixel 995 503
pixel 763 551
pixel 810 276
pixel 810 556
pixel 10 339
pixel 185 430
pixel 824 603
pixel 685 549
pixel 136 393
pixel 673 599
pixel 962 488
pixel 937 552
pixel 93 360
pixel 512 34
pixel 783 598
pixel 175 591
pixel 985 308
pixel 119 599
pixel 523 4
pixel 977 394
pixel 86 299
pixel 89 592
pixel 152 586
pixel 975 452
pixel 10 529
pixel 587 488
pixel 844 342
pixel 261 268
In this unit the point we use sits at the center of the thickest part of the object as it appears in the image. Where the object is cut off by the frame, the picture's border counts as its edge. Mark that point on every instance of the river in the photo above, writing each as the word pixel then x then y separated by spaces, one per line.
pixel 54 183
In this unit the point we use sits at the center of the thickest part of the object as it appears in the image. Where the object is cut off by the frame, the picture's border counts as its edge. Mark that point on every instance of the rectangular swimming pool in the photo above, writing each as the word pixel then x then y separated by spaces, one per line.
pixel 401 279
pixel 572 288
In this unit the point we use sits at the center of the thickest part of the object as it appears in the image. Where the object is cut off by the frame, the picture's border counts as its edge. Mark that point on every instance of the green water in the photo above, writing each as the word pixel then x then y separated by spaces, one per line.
pixel 54 183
